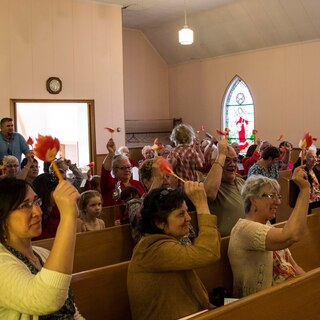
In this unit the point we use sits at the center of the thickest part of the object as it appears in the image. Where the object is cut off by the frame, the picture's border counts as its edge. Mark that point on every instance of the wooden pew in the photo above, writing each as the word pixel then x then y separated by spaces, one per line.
pixel 101 293
pixel 307 251
pixel 99 248
pixel 111 214
pixel 113 245
pixel 295 299
pixel 284 209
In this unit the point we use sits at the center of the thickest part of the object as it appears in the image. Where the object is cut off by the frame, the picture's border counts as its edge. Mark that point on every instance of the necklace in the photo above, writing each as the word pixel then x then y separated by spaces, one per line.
pixel 34 260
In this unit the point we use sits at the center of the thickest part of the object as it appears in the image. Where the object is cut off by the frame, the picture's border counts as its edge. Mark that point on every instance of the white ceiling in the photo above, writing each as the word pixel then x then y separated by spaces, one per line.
pixel 221 26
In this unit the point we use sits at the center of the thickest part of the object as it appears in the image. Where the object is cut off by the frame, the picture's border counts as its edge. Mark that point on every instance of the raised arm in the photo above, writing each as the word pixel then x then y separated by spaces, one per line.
pixel 107 162
pixel 22 175
pixel 213 180
pixel 62 252
pixel 296 226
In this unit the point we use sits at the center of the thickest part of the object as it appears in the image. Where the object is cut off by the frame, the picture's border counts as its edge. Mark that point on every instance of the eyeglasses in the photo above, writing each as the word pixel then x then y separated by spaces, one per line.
pixel 27 205
pixel 273 196
pixel 229 160
pixel 124 168
pixel 34 167
pixel 12 165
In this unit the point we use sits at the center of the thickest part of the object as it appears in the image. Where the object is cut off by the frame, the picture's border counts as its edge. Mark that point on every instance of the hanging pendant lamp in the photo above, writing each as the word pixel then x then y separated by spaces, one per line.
pixel 185 34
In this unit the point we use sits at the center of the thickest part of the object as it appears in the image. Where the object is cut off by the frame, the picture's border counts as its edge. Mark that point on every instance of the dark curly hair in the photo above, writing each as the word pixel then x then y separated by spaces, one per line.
pixel 157 206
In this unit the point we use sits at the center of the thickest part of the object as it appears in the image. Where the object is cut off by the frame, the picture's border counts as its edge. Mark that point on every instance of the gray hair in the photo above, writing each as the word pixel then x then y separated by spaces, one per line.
pixel 116 161
pixel 253 189
pixel 182 134
pixel 8 159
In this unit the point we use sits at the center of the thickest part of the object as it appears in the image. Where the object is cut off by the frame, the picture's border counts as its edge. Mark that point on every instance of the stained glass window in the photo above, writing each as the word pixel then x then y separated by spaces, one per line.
pixel 238 113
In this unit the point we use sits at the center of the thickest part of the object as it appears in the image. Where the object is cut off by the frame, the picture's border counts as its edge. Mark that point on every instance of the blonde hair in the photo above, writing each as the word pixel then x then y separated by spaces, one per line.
pixel 84 200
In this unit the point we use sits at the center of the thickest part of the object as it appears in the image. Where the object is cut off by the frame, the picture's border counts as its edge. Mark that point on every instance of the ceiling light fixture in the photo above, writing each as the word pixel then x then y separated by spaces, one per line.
pixel 185 34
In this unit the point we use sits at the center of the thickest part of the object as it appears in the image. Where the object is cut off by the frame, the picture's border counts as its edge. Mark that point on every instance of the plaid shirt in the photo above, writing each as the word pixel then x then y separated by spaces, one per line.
pixel 186 161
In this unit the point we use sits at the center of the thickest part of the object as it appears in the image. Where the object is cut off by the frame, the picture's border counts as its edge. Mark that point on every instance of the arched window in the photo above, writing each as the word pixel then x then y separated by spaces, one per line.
pixel 238 113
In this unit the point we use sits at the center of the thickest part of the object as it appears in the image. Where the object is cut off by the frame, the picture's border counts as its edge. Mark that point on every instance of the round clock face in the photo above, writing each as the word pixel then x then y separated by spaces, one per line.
pixel 54 85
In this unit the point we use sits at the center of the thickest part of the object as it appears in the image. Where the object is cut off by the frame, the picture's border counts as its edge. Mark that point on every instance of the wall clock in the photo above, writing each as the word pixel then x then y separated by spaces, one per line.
pixel 54 85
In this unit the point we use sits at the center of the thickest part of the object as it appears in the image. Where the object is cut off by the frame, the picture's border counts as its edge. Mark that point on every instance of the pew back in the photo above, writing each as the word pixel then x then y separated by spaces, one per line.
pixel 99 248
pixel 284 209
pixel 102 293
pixel 110 214
pixel 306 252
pixel 295 299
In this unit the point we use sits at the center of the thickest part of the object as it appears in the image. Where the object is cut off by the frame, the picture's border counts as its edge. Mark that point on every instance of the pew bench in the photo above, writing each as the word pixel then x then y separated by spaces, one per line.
pixel 110 214
pixel 98 248
pixel 294 299
pixel 102 293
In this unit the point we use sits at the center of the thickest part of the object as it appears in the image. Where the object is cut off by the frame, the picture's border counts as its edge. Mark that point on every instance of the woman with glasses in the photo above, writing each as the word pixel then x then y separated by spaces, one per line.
pixel 161 281
pixel 10 166
pixel 35 282
pixel 120 167
pixel 30 168
pixel 258 253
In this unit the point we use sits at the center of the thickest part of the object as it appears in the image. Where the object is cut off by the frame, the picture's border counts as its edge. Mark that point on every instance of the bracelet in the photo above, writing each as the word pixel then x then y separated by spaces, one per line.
pixel 217 162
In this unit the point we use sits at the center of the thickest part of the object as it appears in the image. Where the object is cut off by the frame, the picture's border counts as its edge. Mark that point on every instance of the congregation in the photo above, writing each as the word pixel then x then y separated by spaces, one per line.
pixel 233 195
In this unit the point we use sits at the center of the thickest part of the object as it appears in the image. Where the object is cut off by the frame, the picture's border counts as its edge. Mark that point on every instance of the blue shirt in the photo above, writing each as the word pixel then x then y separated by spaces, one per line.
pixel 16 146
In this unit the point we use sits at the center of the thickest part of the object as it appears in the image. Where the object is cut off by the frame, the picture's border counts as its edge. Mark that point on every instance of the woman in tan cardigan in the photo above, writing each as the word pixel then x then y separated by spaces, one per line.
pixel 258 253
pixel 161 281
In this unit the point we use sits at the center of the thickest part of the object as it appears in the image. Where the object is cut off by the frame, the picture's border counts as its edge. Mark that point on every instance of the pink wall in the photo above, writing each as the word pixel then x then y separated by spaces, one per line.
pixel 284 83
pixel 146 89
pixel 78 41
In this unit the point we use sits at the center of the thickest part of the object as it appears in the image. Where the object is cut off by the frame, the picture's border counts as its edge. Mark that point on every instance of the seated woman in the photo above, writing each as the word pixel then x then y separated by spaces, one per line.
pixel 35 281
pixel 285 148
pixel 161 281
pixel 90 207
pixel 31 167
pixel 151 177
pixel 11 166
pixel 257 251
pixel 121 169
pixel 268 165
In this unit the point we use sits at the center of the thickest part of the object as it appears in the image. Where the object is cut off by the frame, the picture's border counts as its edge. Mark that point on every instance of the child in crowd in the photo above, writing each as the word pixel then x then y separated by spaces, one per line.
pixel 90 207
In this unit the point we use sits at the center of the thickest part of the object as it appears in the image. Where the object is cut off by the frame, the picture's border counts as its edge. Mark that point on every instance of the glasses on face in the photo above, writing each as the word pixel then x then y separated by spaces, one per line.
pixel 27 205
pixel 124 168
pixel 230 160
pixel 33 167
pixel 12 166
pixel 273 196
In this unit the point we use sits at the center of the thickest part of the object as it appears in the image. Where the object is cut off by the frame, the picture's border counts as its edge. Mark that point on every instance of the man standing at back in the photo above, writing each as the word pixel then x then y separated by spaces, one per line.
pixel 11 143
pixel 223 188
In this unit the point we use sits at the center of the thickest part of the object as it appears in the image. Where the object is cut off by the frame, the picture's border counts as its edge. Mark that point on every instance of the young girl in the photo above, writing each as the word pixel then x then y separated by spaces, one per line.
pixel 90 206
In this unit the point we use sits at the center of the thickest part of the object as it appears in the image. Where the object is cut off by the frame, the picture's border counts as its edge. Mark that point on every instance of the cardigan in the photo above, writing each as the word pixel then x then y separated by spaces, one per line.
pixel 251 264
pixel 25 296
pixel 161 281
